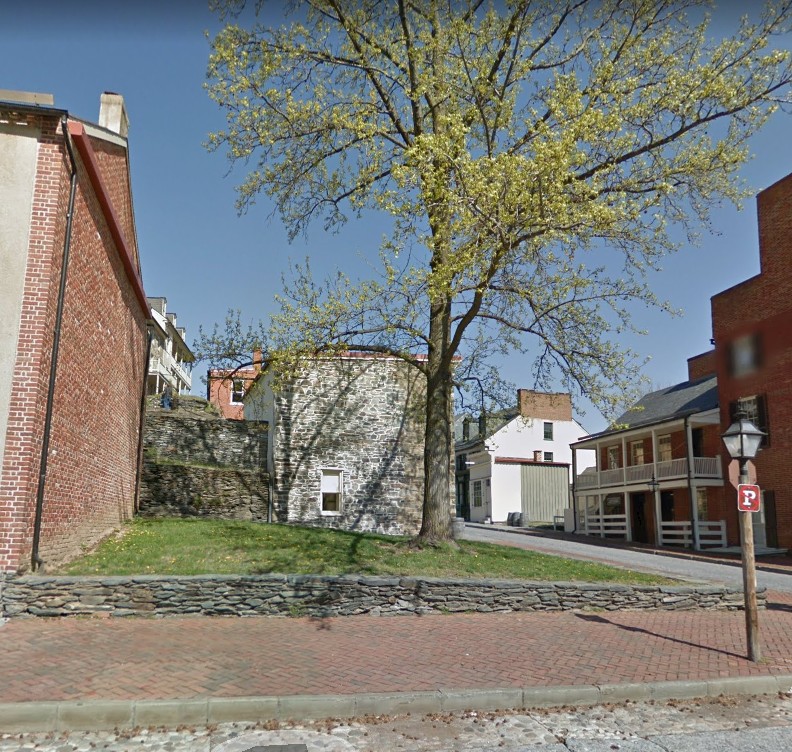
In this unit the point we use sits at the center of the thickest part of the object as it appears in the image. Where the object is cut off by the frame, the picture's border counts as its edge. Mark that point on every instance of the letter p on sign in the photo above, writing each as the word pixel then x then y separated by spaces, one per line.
pixel 748 497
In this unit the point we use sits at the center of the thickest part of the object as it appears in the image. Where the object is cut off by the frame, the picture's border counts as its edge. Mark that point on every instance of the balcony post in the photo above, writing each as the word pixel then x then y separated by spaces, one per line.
pixel 692 488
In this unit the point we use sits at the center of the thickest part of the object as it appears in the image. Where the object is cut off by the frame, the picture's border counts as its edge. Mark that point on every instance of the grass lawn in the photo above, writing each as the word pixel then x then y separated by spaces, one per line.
pixel 179 546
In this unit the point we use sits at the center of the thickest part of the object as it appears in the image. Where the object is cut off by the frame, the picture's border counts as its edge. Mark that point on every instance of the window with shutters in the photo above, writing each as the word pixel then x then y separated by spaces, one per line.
pixel 331 492
pixel 754 409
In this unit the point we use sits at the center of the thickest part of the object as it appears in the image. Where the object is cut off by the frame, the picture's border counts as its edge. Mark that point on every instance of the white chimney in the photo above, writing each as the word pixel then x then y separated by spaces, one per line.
pixel 113 114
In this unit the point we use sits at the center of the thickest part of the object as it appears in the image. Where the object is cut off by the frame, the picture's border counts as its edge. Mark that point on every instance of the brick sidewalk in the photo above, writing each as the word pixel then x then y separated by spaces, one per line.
pixel 197 657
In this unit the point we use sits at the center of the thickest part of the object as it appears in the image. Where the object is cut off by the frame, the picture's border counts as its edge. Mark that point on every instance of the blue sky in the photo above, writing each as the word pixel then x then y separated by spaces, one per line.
pixel 205 259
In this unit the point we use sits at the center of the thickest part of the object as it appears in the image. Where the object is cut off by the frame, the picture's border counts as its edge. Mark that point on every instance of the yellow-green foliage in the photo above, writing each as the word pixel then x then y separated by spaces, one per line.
pixel 530 157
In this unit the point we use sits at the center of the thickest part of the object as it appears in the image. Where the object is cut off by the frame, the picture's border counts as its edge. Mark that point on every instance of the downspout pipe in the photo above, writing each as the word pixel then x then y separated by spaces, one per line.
pixel 142 421
pixel 35 558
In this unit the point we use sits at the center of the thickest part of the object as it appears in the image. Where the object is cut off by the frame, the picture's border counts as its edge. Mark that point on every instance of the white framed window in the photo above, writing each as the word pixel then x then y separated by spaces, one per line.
pixel 477 497
pixel 548 456
pixel 237 390
pixel 548 431
pixel 613 458
pixel 331 493
pixel 664 447
pixel 637 452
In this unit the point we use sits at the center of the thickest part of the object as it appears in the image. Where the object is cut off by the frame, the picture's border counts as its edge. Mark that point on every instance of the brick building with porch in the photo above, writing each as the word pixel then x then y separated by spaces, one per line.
pixel 669 451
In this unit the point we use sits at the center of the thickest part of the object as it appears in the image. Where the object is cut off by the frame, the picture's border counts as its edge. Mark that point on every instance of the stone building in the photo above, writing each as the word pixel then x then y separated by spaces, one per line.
pixel 73 319
pixel 346 443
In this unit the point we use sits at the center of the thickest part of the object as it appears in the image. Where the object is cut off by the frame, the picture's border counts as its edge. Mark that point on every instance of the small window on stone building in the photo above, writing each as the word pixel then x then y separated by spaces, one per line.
pixel 548 431
pixel 548 456
pixel 331 492
pixel 237 390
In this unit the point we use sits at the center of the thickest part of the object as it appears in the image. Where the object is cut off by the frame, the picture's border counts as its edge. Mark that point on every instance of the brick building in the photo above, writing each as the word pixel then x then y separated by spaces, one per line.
pixel 73 319
pixel 750 370
pixel 346 440
pixel 752 330
pixel 226 387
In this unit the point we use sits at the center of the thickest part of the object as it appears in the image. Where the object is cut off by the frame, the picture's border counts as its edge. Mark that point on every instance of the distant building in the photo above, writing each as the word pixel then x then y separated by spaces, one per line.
pixel 170 359
pixel 346 440
pixel 73 318
pixel 517 460
pixel 227 387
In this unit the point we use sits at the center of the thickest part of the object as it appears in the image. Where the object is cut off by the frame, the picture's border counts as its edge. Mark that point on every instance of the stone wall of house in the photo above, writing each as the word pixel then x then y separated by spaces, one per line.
pixel 321 596
pixel 198 465
pixel 361 416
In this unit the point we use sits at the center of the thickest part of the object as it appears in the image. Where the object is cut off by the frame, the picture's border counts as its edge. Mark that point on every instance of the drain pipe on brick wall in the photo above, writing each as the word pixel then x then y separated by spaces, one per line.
pixel 142 421
pixel 35 559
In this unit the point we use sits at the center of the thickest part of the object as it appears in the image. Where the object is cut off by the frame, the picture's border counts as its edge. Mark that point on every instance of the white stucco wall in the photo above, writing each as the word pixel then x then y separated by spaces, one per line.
pixel 18 153
pixel 522 436
pixel 519 439
pixel 506 491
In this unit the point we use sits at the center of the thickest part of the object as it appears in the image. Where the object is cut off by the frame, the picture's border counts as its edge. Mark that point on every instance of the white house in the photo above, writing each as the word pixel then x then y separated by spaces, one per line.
pixel 518 460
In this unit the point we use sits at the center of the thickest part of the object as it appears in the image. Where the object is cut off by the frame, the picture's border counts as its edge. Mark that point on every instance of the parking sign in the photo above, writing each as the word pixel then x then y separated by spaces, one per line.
pixel 748 497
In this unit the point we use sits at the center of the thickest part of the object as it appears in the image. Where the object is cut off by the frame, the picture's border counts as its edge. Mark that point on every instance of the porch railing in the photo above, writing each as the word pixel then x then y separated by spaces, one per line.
pixel 607 525
pixel 703 467
pixel 711 533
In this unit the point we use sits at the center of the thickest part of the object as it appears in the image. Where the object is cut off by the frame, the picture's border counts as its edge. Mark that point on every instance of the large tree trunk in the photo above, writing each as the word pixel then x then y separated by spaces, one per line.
pixel 436 525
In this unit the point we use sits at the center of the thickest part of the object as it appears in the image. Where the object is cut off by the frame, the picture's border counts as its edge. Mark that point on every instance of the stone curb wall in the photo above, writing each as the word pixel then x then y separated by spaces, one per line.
pixel 322 596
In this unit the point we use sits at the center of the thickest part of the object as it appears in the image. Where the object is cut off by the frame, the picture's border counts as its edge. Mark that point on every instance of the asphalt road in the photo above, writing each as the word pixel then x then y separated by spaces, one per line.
pixel 669 566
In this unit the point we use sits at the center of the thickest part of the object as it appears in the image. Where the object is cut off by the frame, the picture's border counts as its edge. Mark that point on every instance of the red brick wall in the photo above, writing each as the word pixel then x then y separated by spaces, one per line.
pixel 18 479
pixel 219 391
pixel 92 463
pixel 701 365
pixel 544 405
pixel 763 306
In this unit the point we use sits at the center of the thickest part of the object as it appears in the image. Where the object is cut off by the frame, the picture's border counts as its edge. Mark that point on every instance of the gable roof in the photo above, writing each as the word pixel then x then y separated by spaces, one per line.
pixel 678 401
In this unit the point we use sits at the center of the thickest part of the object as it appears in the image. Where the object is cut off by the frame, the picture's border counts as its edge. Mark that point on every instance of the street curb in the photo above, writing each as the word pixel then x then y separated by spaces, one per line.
pixel 100 715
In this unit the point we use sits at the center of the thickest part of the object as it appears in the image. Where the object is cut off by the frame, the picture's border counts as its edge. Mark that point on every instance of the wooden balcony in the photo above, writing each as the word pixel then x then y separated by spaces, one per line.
pixel 708 468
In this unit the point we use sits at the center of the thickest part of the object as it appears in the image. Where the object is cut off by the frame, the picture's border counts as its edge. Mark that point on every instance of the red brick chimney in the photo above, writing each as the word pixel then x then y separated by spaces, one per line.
pixel 257 360
pixel 544 405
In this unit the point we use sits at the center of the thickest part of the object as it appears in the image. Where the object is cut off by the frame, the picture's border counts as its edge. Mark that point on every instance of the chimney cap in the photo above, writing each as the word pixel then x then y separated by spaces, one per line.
pixel 113 114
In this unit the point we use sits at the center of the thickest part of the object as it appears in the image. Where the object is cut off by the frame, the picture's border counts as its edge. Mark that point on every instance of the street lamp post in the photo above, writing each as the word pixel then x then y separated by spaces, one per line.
pixel 742 439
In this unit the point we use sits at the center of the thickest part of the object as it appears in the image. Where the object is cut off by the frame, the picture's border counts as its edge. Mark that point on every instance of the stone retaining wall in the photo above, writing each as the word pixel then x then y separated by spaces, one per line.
pixel 314 595
pixel 173 436
pixel 218 493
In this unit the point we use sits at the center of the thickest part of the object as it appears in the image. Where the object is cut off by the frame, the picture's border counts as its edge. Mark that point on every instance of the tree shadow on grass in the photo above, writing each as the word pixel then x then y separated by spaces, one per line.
pixel 595 618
